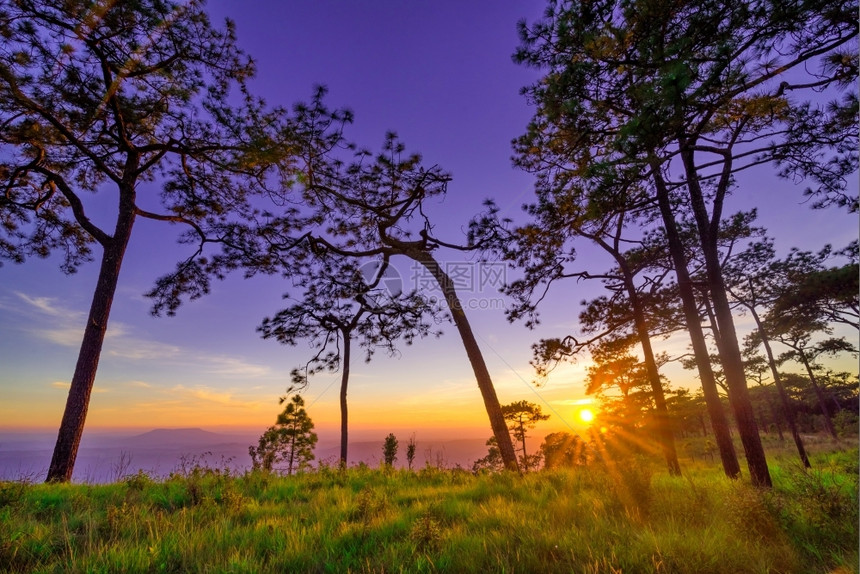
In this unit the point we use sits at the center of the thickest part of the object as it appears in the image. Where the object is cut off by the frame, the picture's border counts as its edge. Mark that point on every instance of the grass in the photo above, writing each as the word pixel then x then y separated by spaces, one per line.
pixel 631 517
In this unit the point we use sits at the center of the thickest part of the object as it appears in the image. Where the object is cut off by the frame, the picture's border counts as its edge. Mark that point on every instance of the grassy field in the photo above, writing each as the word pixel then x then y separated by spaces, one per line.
pixel 625 517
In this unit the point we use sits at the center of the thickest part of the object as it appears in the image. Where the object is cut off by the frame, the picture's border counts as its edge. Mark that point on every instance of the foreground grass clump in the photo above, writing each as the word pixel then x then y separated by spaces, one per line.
pixel 616 518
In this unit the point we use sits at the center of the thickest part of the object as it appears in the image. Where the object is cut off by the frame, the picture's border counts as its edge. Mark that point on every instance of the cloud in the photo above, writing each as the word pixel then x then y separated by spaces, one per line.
pixel 463 390
pixel 48 306
pixel 139 384
pixel 139 349
pixel 196 398
pixel 235 367
pixel 64 336
pixel 66 325
pixel 574 402
pixel 50 321
pixel 204 394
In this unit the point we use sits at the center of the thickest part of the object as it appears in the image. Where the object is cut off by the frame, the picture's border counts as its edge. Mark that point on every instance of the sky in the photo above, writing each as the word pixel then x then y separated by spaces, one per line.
pixel 438 73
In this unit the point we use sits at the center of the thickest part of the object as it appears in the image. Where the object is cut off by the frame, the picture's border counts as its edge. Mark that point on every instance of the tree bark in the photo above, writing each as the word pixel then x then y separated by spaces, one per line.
pixel 77 403
pixel 730 353
pixel 719 423
pixel 523 440
pixel 774 413
pixel 344 380
pixel 293 439
pixel 787 408
pixel 664 430
pixel 822 400
pixel 473 351
pixel 733 368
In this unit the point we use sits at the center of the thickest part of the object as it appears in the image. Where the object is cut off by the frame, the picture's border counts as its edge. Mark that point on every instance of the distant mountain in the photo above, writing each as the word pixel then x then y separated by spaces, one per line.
pixel 184 437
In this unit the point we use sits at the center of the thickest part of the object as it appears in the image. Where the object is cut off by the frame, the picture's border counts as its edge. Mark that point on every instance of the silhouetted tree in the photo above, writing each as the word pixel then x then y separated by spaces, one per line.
pixel 492 462
pixel 563 450
pixel 375 208
pixel 410 451
pixel 681 96
pixel 543 250
pixel 621 382
pixel 341 304
pixel 290 441
pixel 752 279
pixel 523 416
pixel 688 412
pixel 798 339
pixel 640 306
pixel 814 291
pixel 389 450
pixel 145 101
pixel 364 207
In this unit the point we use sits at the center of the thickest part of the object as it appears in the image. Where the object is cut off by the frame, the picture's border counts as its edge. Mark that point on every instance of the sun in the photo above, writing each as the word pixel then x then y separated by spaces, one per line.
pixel 586 415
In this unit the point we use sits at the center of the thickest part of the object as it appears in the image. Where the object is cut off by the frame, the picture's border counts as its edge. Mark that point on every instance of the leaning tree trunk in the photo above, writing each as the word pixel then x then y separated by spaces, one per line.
pixel 664 430
pixel 719 423
pixel 787 408
pixel 822 400
pixel 344 380
pixel 78 401
pixel 473 351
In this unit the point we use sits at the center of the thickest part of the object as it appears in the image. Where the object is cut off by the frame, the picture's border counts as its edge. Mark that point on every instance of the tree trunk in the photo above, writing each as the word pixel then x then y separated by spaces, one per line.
pixel 473 351
pixel 78 401
pixel 719 423
pixel 664 430
pixel 292 458
pixel 774 413
pixel 787 408
pixel 730 353
pixel 712 320
pixel 344 380
pixel 523 439
pixel 733 368
pixel 822 400
pixel 762 420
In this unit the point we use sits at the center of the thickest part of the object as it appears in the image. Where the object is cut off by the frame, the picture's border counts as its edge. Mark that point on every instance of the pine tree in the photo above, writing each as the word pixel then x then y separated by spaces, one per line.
pixel 288 445
pixel 389 450
pixel 134 100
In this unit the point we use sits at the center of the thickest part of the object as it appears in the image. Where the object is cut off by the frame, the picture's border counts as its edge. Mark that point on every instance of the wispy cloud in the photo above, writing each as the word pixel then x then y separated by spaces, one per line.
pixel 52 322
pixel 574 402
pixel 204 394
pixel 198 396
pixel 49 306
pixel 446 392
pixel 139 349
pixel 235 367
pixel 139 384
pixel 64 336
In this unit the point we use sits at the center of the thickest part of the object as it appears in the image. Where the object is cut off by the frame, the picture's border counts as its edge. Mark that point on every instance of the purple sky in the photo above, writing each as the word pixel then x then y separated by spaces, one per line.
pixel 438 73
